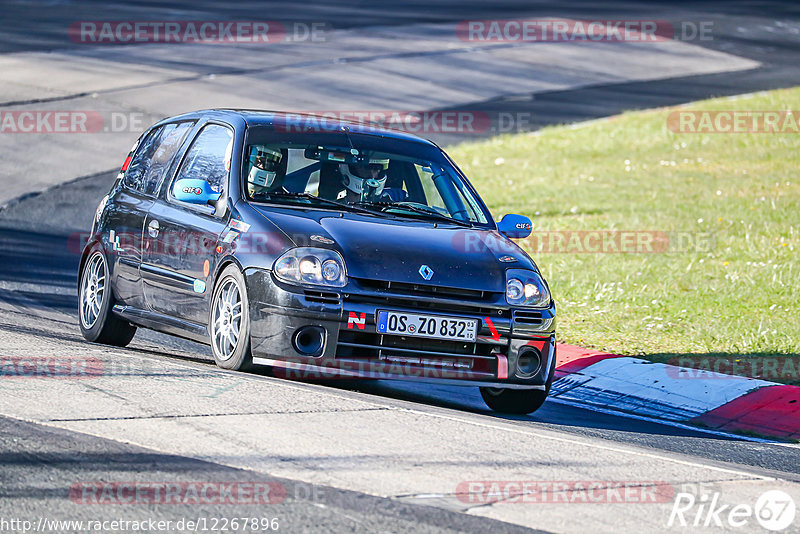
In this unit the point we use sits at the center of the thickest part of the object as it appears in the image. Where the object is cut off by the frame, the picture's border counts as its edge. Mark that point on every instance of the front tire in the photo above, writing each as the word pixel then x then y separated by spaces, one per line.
pixel 514 401
pixel 95 301
pixel 519 401
pixel 229 321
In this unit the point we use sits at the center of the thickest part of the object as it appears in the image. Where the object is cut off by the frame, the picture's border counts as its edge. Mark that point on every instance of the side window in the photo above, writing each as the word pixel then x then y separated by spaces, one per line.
pixel 134 176
pixel 153 156
pixel 434 199
pixel 445 196
pixel 209 157
pixel 306 170
pixel 171 138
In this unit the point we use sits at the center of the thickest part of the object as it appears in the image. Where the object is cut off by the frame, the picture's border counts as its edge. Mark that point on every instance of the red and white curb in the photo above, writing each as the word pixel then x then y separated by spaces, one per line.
pixel 667 392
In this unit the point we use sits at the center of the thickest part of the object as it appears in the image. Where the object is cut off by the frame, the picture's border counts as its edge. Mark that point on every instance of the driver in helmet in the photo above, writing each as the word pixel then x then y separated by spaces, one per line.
pixel 267 167
pixel 364 181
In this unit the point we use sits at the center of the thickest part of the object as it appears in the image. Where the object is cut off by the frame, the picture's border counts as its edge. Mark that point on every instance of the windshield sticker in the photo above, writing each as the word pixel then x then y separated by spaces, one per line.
pixel 114 239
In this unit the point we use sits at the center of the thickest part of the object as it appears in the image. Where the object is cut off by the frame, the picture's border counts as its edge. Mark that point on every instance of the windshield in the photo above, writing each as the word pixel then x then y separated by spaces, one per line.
pixel 360 179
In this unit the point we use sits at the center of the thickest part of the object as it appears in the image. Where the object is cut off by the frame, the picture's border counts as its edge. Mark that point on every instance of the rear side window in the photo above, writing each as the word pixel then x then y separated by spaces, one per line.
pixel 150 162
pixel 209 157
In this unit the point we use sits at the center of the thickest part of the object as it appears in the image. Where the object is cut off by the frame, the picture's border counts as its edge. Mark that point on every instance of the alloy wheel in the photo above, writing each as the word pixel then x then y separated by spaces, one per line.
pixel 93 289
pixel 227 319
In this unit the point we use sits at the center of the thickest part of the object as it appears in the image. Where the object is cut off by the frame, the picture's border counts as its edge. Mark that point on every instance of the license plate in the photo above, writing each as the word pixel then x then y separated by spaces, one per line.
pixel 431 326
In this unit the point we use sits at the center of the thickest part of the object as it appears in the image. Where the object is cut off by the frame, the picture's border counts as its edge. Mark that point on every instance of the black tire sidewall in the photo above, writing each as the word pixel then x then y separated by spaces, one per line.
pixel 96 331
pixel 552 373
pixel 241 359
pixel 520 401
pixel 514 401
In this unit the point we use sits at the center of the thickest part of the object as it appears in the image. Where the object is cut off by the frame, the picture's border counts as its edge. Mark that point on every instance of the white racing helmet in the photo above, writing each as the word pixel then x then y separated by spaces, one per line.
pixel 367 179
pixel 264 165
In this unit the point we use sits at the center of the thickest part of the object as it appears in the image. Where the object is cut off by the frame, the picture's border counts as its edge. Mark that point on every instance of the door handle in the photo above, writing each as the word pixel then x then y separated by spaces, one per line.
pixel 153 228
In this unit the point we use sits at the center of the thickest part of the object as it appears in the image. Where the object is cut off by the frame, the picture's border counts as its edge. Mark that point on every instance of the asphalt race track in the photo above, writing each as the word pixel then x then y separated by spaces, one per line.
pixel 349 455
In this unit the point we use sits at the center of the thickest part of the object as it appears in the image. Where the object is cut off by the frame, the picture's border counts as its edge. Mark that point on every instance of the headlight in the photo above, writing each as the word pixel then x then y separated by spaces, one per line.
pixel 526 288
pixel 310 265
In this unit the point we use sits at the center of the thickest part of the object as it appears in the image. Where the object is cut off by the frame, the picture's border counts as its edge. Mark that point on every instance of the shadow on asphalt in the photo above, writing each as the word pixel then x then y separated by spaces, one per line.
pixel 40 268
pixel 55 469
pixel 39 258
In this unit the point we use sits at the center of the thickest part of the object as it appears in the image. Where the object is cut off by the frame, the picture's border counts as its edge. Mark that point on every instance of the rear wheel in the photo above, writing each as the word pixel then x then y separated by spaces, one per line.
pixel 229 321
pixel 95 301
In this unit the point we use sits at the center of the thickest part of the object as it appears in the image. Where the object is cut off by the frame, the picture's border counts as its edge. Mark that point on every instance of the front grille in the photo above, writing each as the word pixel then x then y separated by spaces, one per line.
pixel 528 317
pixel 423 305
pixel 428 298
pixel 476 358
pixel 423 290
pixel 369 344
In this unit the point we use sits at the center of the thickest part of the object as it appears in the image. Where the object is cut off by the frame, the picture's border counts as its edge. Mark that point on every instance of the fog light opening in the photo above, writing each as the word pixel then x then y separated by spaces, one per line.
pixel 528 362
pixel 309 341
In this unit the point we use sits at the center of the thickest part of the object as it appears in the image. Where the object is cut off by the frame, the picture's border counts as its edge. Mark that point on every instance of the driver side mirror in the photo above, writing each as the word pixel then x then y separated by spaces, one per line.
pixel 515 226
pixel 195 191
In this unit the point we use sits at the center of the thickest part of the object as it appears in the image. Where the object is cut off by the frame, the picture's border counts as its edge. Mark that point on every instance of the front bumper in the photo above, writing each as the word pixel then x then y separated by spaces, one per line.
pixel 353 348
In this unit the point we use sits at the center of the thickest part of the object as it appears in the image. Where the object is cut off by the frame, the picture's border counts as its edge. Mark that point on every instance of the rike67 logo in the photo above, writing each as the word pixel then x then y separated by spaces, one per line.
pixel 774 510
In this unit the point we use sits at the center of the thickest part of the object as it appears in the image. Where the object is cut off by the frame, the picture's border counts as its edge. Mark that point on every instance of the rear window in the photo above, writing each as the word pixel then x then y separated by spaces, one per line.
pixel 153 157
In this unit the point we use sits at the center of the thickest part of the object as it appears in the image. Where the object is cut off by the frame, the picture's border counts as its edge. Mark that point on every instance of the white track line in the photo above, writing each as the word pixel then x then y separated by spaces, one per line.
pixel 610 448
pixel 666 422
pixel 526 431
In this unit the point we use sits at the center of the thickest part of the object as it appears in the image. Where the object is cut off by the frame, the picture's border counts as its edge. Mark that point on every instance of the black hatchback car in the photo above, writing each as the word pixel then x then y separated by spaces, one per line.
pixel 320 248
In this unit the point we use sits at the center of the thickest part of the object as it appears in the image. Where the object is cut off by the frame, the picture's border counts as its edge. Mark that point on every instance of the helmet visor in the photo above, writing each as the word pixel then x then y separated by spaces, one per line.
pixel 370 170
pixel 265 158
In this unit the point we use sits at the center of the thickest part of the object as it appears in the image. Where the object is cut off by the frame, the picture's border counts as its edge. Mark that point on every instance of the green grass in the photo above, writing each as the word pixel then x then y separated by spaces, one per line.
pixel 736 298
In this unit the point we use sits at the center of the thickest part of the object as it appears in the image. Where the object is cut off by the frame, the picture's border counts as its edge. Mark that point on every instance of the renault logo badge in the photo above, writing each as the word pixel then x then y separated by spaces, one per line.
pixel 426 272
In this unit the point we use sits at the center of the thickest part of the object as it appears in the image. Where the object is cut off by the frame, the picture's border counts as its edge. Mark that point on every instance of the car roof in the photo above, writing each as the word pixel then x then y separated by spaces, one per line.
pixel 329 123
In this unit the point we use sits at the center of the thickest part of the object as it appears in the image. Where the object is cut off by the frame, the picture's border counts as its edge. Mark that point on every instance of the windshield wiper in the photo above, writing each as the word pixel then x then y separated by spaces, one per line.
pixel 415 208
pixel 321 201
pixel 374 208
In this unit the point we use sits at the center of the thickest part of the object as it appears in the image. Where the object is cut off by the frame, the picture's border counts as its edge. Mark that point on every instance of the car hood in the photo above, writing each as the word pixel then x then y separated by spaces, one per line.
pixel 395 249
